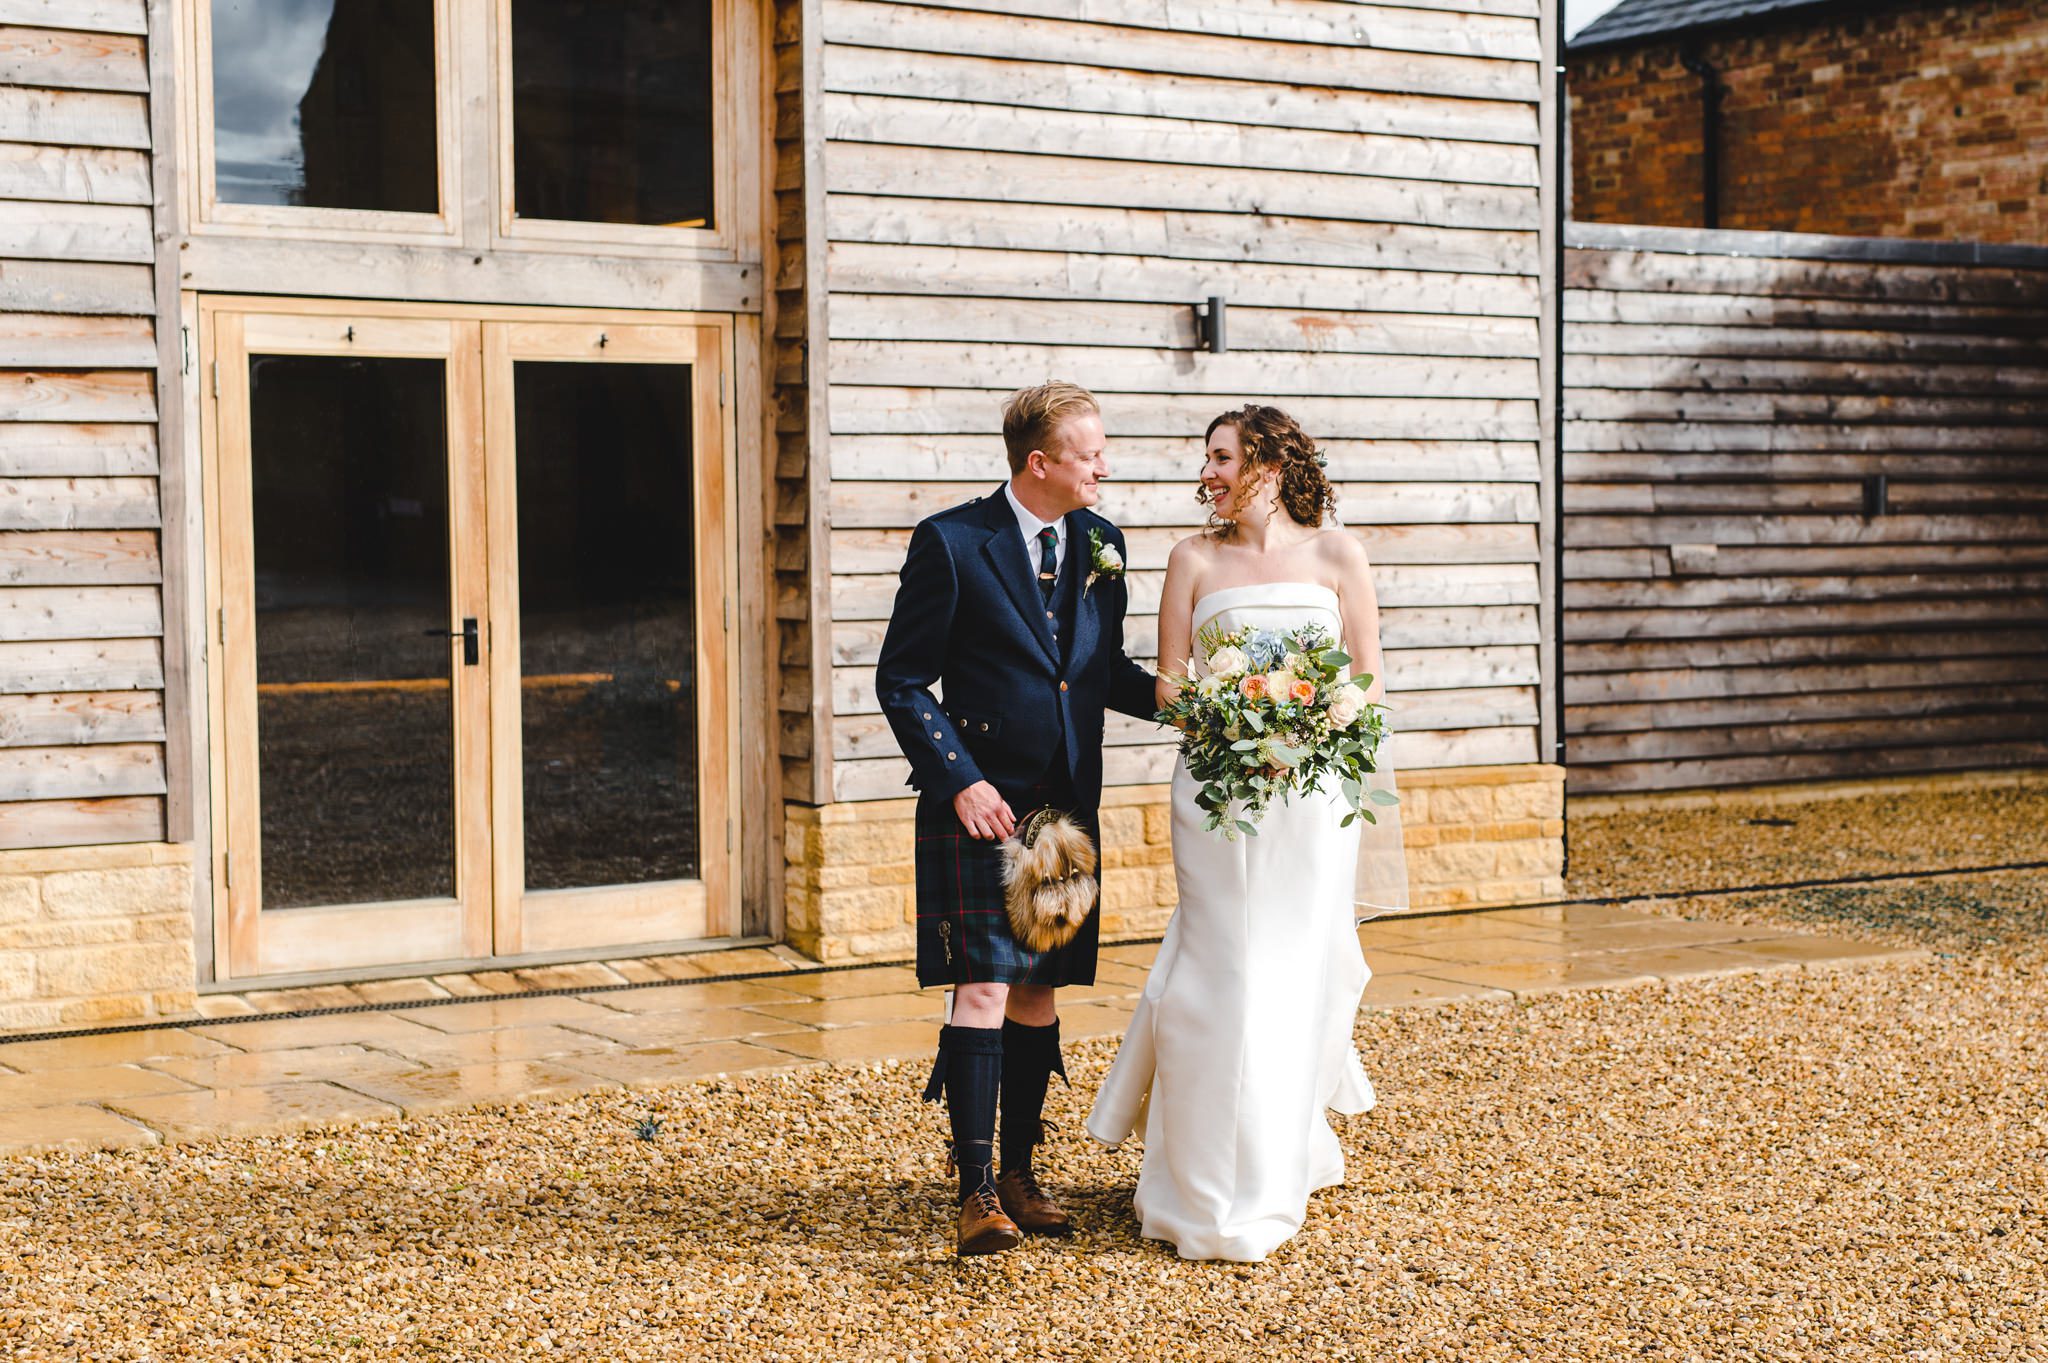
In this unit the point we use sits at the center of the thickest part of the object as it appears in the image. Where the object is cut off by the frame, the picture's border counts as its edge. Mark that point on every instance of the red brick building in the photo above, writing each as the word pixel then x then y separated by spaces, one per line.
pixel 1896 118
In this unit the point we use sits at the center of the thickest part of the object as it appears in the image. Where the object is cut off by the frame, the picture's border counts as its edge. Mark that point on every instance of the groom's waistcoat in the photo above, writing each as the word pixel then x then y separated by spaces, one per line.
pixel 977 682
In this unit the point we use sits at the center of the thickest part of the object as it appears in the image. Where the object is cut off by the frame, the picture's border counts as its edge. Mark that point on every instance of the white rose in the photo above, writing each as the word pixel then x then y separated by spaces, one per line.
pixel 1228 661
pixel 1110 559
pixel 1209 685
pixel 1281 683
pixel 1346 706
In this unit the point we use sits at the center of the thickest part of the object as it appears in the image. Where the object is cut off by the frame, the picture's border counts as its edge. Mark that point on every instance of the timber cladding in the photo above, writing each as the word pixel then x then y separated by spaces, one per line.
pixel 81 614
pixel 1744 601
pixel 1012 193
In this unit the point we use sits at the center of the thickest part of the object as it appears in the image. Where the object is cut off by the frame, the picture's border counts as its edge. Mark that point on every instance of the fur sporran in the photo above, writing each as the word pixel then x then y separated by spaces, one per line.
pixel 1048 879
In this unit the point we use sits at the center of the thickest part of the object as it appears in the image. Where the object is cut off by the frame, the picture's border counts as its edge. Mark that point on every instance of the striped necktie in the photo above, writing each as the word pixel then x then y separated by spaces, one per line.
pixel 1048 564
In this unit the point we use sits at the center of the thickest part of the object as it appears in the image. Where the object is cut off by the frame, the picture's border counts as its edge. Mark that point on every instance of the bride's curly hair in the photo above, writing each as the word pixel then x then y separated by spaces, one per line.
pixel 1274 440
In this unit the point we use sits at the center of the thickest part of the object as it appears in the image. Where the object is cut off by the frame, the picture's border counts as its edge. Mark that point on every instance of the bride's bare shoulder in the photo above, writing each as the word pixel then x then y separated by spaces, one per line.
pixel 1339 548
pixel 1192 551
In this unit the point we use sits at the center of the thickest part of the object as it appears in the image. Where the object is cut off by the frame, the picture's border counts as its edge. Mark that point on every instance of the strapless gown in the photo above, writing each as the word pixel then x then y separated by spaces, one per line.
pixel 1242 1042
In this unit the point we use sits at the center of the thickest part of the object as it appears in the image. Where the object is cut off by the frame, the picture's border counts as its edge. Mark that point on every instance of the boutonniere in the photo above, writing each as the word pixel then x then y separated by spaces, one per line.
pixel 1103 560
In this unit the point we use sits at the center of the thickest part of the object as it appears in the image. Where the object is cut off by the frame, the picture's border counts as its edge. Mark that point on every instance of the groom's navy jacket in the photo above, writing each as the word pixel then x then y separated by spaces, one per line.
pixel 969 620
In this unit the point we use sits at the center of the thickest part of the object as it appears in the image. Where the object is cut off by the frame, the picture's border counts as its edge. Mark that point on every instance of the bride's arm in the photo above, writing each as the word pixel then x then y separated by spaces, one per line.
pixel 1176 619
pixel 1361 609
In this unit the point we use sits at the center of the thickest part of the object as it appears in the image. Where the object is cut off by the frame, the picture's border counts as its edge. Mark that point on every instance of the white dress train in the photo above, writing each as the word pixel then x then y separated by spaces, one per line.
pixel 1242 1039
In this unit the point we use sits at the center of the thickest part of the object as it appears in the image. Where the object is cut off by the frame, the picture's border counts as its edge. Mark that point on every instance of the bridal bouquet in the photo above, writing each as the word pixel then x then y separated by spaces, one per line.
pixel 1274 715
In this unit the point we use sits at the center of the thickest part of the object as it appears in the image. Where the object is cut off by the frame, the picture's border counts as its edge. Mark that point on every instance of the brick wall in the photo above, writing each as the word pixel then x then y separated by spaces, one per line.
pixel 1923 121
pixel 1476 836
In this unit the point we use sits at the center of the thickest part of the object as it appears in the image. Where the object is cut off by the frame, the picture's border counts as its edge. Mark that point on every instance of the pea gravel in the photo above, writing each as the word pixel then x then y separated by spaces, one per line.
pixel 1844 1164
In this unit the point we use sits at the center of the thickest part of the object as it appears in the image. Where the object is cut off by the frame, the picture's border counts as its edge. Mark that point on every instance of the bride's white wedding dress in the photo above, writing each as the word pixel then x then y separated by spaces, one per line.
pixel 1242 1039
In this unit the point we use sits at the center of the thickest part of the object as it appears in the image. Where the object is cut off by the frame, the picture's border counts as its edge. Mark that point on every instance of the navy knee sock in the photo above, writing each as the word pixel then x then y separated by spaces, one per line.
pixel 969 1073
pixel 1031 1056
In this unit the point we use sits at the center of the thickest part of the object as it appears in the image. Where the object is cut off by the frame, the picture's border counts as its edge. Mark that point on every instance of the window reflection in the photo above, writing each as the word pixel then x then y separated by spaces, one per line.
pixel 611 111
pixel 325 104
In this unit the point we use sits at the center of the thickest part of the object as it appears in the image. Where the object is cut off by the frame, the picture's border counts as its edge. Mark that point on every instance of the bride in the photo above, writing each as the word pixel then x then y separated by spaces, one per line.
pixel 1242 1038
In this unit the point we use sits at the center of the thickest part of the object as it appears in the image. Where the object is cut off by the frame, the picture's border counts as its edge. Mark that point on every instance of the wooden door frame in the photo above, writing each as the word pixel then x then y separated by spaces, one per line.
pixel 222 400
pixel 528 920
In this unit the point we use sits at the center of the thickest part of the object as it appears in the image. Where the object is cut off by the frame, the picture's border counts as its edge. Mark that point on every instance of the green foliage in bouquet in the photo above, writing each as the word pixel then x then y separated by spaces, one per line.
pixel 1275 714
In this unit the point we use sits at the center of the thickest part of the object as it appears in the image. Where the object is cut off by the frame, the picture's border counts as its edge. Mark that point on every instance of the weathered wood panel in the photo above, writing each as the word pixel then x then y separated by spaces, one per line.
pixel 82 724
pixel 1742 604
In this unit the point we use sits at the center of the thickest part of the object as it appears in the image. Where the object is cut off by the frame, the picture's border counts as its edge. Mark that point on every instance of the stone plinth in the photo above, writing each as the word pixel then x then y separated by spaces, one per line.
pixel 1476 836
pixel 95 934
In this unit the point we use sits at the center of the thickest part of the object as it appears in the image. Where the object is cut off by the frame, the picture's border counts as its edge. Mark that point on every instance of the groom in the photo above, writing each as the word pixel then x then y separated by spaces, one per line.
pixel 1013 607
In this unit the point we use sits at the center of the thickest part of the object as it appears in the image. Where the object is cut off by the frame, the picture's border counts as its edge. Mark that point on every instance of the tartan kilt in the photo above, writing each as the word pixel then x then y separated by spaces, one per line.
pixel 963 928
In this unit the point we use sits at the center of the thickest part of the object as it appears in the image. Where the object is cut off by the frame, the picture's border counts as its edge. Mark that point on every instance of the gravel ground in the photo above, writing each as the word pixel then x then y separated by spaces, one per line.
pixel 1799 1165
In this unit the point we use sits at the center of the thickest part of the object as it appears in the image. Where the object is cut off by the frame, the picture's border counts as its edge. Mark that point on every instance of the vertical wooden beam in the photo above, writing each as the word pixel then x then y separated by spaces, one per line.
pixel 817 332
pixel 1551 194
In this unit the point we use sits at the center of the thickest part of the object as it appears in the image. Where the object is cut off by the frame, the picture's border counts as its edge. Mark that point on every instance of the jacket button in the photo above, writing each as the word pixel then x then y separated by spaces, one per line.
pixel 1063 686
pixel 984 728
pixel 951 756
pixel 927 714
pixel 937 734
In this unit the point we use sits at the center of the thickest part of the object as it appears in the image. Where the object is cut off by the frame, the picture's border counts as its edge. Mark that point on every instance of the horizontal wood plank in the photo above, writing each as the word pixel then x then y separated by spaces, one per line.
pixel 77 823
pixel 72 60
pixel 1358 284
pixel 1762 768
pixel 81 717
pixel 75 231
pixel 1181 234
pixel 921 28
pixel 73 174
pixel 942 411
pixel 81 665
pixel 953 174
pixel 932 120
pixel 877 551
pixel 904 504
pixel 78 503
pixel 85 16
pixel 1768 277
pixel 1598 693
pixel 79 613
pixel 980 461
pixel 50 558
pixel 75 287
pixel 1914 703
pixel 53 450
pixel 74 118
pixel 1051 84
pixel 39 340
pixel 91 396
pixel 71 773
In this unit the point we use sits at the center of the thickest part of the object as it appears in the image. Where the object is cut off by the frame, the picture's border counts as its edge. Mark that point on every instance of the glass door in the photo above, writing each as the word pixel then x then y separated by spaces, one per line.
pixel 350 589
pixel 472 680
pixel 609 604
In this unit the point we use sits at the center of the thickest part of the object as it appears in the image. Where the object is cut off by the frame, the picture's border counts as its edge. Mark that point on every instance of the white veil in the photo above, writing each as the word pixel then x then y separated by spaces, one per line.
pixel 1382 881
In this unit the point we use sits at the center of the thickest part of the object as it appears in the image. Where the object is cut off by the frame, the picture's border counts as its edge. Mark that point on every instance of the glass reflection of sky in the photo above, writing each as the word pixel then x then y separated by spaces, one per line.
pixel 264 55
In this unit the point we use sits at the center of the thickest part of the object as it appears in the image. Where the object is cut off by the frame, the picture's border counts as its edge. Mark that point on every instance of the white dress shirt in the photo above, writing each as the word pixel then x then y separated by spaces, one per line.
pixel 1030 525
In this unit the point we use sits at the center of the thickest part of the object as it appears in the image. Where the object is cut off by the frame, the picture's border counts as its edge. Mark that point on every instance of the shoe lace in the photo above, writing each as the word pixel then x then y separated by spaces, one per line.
pixel 1027 1182
pixel 985 1201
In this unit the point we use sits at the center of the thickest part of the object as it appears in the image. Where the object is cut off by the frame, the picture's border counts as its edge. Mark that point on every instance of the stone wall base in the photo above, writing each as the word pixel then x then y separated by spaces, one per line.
pixel 1476 836
pixel 95 934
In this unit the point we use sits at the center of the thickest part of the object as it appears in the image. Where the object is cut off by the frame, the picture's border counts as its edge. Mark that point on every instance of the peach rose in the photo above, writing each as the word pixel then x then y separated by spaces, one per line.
pixel 1303 691
pixel 1253 687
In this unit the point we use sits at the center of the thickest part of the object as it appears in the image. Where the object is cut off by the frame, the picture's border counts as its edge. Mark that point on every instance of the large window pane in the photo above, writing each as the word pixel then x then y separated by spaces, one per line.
pixel 355 726
pixel 611 111
pixel 607 623
pixel 325 104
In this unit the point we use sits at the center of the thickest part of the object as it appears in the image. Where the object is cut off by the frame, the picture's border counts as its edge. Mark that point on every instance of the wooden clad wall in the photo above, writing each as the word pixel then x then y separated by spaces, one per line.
pixel 81 612
pixel 1023 189
pixel 1732 614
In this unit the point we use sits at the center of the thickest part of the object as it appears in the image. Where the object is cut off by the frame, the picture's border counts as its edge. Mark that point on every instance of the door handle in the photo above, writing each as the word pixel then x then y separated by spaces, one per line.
pixel 467 634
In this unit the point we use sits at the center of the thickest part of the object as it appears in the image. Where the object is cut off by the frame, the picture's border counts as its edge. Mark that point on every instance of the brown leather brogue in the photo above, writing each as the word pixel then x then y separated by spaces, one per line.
pixel 1028 1206
pixel 983 1227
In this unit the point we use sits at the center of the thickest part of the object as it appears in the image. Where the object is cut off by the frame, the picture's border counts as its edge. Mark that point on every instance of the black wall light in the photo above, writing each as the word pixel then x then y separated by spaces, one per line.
pixel 1209 332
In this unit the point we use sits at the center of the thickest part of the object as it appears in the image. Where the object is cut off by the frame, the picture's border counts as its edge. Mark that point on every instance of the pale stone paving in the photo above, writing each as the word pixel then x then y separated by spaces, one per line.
pixel 220 1077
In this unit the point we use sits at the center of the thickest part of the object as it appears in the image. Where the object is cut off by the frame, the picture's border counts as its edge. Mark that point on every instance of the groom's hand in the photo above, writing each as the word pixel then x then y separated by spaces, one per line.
pixel 983 812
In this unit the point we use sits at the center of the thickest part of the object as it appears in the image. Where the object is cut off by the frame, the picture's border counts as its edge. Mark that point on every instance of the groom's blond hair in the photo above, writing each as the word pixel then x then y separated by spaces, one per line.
pixel 1032 417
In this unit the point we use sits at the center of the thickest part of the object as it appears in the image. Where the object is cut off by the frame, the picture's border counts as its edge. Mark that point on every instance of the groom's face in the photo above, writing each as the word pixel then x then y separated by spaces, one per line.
pixel 1070 474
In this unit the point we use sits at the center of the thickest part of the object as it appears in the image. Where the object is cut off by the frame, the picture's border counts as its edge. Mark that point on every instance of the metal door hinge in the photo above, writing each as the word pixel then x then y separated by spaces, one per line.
pixel 728 835
pixel 221 618
pixel 184 350
pixel 227 870
pixel 727 612
pixel 216 378
pixel 721 388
